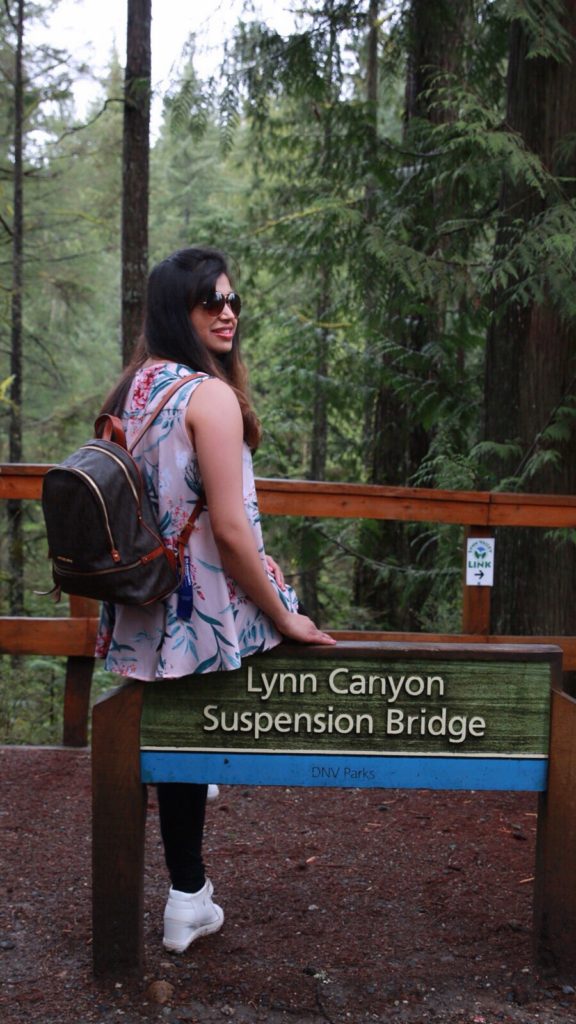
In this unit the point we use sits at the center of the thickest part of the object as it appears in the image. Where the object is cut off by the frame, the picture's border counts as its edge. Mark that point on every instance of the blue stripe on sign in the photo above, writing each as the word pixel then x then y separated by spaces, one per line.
pixel 521 773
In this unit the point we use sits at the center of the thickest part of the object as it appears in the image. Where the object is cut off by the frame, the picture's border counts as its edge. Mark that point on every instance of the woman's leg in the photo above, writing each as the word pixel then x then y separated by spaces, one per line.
pixel 190 911
pixel 182 807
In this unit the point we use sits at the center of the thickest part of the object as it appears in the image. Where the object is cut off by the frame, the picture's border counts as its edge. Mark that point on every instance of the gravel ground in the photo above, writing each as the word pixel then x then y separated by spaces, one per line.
pixel 342 906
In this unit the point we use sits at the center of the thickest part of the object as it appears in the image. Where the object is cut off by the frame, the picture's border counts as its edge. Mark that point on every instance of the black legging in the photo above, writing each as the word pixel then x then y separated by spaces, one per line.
pixel 182 807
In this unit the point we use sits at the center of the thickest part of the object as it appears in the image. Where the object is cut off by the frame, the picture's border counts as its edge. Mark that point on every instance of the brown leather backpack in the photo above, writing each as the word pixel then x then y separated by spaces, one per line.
pixel 103 536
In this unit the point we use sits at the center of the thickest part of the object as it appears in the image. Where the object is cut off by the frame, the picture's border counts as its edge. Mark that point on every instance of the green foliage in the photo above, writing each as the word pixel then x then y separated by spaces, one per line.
pixel 31 700
pixel 383 243
pixel 370 247
pixel 535 259
pixel 71 206
pixel 544 24
pixel 187 108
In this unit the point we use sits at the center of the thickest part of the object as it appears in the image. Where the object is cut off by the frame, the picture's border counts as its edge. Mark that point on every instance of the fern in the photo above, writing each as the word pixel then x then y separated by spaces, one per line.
pixel 544 24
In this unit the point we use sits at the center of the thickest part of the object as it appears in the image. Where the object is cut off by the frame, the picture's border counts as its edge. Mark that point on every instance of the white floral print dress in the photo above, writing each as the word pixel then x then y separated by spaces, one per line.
pixel 152 642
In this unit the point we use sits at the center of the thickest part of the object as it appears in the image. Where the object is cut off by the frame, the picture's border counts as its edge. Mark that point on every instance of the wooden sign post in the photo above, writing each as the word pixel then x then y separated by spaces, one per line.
pixel 441 716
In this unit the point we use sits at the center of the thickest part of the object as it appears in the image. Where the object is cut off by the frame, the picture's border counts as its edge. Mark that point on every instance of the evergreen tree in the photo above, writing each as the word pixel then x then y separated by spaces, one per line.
pixel 14 508
pixel 198 190
pixel 410 336
pixel 309 135
pixel 135 168
pixel 70 281
pixel 530 390
pixel 31 80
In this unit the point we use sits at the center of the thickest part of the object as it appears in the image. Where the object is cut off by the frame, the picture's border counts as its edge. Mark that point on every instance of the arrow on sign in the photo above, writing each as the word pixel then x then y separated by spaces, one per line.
pixel 479 575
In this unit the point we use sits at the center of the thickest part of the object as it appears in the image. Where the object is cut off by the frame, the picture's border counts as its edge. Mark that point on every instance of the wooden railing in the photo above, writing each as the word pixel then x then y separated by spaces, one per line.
pixel 480 512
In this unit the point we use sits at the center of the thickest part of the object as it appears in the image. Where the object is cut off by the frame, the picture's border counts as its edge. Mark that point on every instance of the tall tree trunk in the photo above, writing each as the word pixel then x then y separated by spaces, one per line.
pixel 135 172
pixel 14 508
pixel 531 350
pixel 310 543
pixel 395 443
pixel 370 213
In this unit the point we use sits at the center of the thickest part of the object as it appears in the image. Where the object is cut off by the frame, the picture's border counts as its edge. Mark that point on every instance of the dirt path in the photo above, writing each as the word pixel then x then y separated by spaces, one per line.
pixel 345 906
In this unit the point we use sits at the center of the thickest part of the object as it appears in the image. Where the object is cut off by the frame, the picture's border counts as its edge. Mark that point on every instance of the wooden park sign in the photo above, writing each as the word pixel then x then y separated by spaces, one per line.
pixel 372 715
pixel 435 716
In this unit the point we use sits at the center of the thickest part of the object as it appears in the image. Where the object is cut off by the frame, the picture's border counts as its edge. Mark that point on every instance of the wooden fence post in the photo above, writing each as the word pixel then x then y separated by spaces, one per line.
pixel 475 600
pixel 79 671
pixel 555 881
pixel 118 827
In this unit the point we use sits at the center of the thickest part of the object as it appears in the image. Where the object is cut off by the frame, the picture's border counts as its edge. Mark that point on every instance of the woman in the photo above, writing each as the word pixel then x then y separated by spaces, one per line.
pixel 234 601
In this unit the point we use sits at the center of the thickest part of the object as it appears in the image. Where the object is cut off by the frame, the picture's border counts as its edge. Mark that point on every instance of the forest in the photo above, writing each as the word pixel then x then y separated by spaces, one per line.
pixel 395 185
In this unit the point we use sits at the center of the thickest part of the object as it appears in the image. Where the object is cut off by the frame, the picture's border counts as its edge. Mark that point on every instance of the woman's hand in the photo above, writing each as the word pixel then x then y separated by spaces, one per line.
pixel 275 571
pixel 300 628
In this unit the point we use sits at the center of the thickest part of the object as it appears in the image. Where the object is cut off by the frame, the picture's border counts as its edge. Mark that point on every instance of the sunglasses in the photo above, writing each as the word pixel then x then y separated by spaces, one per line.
pixel 216 301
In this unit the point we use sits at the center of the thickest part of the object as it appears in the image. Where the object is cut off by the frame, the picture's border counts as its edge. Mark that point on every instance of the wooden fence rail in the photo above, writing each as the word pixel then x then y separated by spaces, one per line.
pixel 367 501
pixel 479 512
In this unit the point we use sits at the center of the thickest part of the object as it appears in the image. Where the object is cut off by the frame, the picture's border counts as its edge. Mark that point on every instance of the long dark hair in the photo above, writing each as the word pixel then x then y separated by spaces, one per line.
pixel 175 286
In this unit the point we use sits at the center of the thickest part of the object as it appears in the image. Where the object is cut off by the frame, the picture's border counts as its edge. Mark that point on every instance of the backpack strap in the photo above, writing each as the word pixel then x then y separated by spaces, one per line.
pixel 184 534
pixel 158 408
pixel 110 429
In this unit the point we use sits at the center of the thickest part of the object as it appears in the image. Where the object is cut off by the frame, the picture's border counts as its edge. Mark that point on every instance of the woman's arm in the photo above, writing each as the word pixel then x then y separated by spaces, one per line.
pixel 215 423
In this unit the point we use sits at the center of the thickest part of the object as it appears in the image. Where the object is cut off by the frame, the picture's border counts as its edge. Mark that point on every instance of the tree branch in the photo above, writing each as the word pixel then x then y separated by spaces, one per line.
pixel 81 127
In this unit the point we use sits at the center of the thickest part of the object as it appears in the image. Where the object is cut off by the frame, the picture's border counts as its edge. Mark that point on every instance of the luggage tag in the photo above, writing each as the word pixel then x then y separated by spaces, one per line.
pixel 185 592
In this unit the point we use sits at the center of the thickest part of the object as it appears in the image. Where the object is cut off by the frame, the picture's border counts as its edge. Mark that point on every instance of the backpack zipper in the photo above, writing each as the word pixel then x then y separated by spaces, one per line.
pixel 63 571
pixel 105 451
pixel 75 574
pixel 115 554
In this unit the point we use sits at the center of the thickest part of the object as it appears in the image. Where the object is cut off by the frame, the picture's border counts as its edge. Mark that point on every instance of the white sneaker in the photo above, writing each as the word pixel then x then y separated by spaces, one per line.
pixel 190 915
pixel 213 793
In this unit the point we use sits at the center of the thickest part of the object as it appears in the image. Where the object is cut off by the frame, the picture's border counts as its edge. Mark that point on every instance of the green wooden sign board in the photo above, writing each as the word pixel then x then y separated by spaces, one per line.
pixel 299 701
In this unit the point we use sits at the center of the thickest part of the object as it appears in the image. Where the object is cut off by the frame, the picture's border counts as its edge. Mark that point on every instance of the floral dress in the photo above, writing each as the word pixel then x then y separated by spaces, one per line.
pixel 224 625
